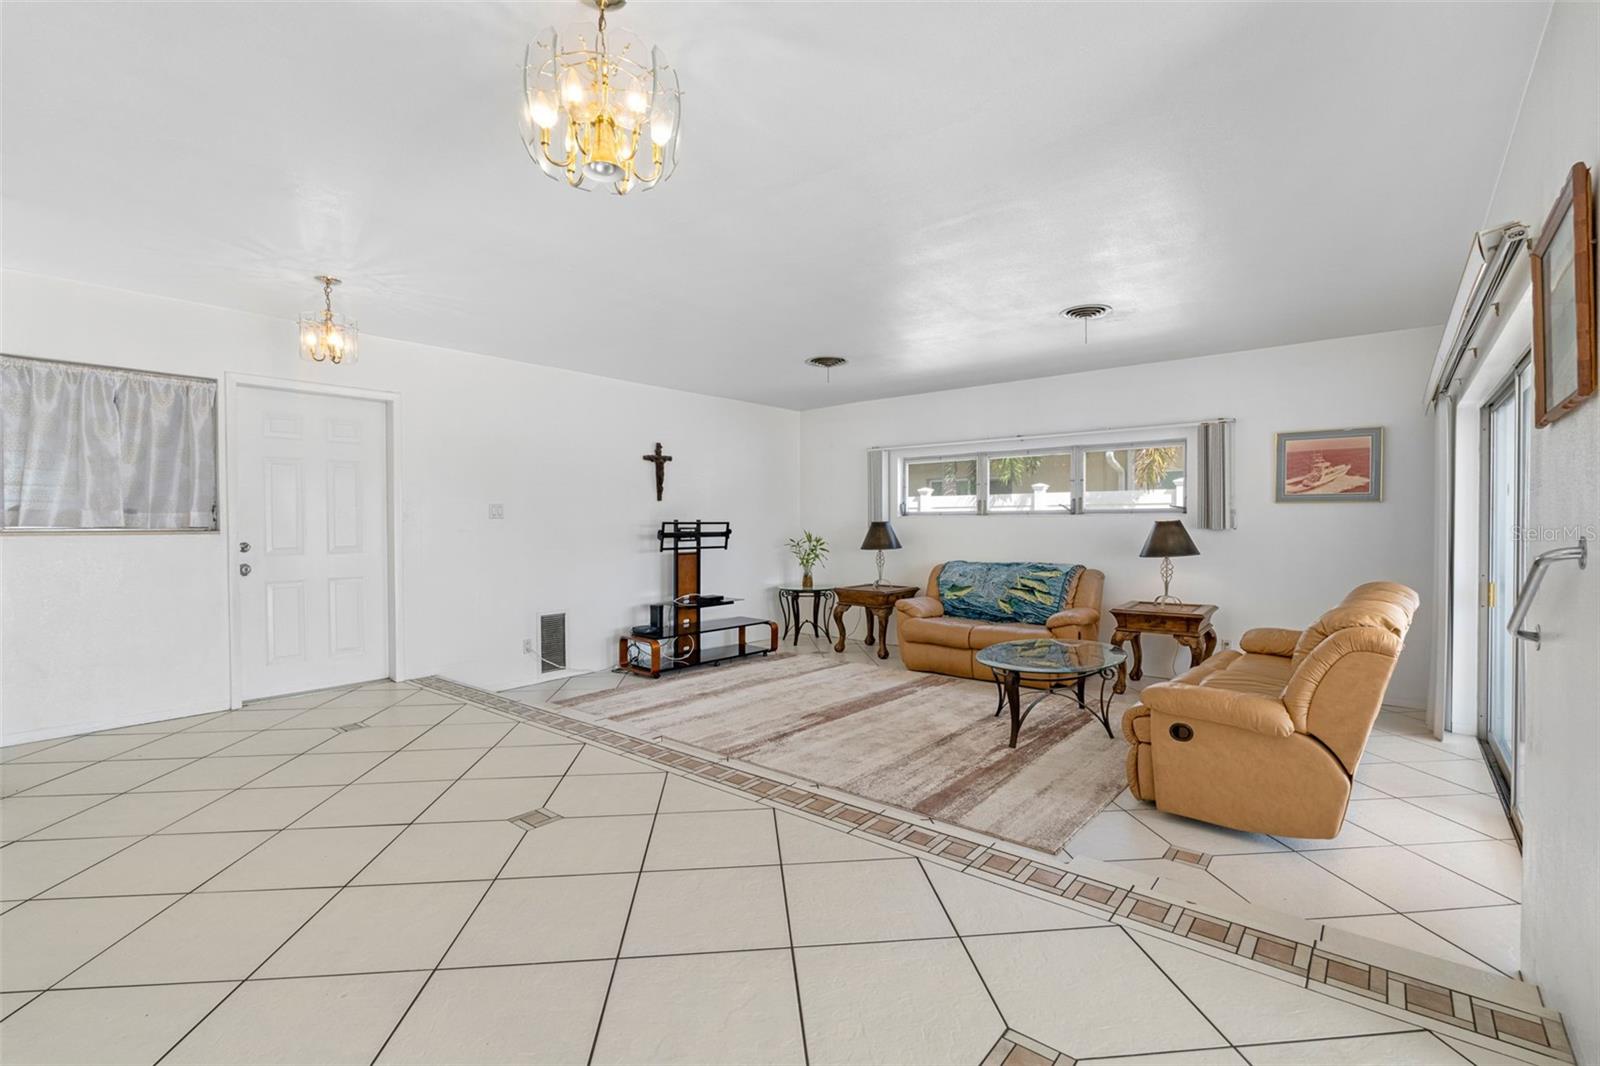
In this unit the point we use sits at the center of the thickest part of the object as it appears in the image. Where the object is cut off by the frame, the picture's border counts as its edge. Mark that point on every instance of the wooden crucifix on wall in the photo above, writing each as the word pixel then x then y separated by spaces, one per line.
pixel 661 462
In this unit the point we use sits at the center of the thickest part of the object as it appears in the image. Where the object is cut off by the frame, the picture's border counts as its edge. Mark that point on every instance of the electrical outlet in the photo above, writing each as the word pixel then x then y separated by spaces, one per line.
pixel 497 510
pixel 527 646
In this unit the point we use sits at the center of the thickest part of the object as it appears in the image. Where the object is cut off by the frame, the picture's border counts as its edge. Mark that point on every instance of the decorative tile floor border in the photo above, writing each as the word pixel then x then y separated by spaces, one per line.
pixel 534 819
pixel 1015 1049
pixel 1462 1011
pixel 1533 1032
pixel 1193 858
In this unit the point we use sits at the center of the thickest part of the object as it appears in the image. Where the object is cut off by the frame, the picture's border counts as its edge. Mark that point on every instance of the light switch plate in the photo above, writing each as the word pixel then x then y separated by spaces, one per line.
pixel 497 510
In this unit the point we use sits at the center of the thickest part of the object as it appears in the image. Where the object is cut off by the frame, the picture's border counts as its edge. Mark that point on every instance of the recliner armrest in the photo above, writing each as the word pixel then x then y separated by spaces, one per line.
pixel 1241 710
pixel 920 607
pixel 1268 640
pixel 1081 617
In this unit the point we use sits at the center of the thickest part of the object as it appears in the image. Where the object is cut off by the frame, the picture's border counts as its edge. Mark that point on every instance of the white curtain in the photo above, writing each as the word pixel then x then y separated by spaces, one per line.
pixel 92 448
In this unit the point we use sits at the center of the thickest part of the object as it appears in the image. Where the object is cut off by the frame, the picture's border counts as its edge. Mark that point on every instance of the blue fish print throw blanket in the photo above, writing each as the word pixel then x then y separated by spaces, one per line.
pixel 1027 593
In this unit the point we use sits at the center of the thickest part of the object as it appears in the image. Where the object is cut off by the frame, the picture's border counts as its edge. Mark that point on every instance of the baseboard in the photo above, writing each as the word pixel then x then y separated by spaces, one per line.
pixel 72 729
pixel 550 675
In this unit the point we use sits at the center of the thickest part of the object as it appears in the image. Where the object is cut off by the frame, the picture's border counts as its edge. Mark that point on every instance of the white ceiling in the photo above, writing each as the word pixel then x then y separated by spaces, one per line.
pixel 919 188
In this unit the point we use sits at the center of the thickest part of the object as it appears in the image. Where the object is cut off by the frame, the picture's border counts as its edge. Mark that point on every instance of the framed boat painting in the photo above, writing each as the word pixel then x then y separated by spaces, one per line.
pixel 1324 465
pixel 1562 265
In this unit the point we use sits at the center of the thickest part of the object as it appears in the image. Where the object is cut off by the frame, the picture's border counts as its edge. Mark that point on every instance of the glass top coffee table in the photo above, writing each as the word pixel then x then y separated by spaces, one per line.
pixel 1064 666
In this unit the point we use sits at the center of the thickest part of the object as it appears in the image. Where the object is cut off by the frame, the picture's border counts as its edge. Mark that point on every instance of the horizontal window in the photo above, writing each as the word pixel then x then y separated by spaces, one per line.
pixel 1039 482
pixel 941 485
pixel 1146 478
pixel 1068 478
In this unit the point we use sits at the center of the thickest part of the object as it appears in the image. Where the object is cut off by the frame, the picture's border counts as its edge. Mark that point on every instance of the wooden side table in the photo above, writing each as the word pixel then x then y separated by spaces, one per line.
pixel 1187 623
pixel 878 601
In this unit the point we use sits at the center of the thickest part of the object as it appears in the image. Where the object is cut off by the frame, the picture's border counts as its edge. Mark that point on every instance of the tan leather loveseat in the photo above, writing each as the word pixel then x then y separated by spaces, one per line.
pixel 931 641
pixel 1267 738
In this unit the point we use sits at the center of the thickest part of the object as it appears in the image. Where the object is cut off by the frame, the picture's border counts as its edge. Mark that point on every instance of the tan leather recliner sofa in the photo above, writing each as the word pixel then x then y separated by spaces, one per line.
pixel 934 642
pixel 1267 738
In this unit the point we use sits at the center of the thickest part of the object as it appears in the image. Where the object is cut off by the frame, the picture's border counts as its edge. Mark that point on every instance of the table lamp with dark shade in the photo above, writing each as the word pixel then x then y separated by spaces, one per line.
pixel 1167 540
pixel 880 538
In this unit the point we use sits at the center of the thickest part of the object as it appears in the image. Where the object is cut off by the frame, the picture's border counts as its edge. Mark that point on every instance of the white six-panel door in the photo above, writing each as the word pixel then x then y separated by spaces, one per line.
pixel 311 503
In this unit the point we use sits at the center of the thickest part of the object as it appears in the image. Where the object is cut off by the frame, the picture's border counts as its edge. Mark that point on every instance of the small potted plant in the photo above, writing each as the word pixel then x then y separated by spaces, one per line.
pixel 810 550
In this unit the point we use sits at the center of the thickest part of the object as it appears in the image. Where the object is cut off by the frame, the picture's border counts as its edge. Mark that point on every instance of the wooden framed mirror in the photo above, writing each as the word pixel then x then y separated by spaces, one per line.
pixel 1564 302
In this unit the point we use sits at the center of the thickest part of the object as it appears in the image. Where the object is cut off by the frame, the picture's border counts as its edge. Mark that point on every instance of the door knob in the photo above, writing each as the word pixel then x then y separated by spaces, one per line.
pixel 244 545
pixel 244 569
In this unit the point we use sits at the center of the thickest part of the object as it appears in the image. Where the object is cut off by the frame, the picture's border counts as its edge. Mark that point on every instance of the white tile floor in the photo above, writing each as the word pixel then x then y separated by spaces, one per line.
pixel 253 886
pixel 1427 857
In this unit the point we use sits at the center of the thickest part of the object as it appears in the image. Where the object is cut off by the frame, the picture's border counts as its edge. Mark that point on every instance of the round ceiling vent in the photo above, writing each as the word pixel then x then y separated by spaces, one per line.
pixel 826 362
pixel 1086 312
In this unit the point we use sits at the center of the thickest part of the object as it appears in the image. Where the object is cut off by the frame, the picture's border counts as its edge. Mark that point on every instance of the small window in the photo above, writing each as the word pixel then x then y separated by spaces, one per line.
pixel 936 486
pixel 1038 482
pixel 1143 477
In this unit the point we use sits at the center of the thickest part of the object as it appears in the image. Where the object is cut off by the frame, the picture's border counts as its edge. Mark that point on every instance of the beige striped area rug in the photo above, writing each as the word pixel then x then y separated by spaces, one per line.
pixel 921 742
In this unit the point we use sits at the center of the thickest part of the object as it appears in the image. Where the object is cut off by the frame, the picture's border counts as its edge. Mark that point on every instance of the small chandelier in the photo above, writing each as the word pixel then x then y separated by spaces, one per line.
pixel 325 338
pixel 607 100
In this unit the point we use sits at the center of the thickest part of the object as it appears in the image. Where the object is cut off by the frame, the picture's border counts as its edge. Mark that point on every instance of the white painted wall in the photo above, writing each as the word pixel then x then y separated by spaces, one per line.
pixel 1284 565
pixel 101 630
pixel 1560 794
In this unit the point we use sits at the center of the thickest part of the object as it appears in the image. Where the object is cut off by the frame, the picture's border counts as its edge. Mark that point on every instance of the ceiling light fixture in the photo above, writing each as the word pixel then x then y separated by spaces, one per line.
pixel 827 363
pixel 1085 313
pixel 324 337
pixel 609 97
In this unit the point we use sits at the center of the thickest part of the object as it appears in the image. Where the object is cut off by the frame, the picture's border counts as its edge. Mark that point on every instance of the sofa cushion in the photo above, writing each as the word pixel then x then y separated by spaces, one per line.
pixel 945 632
pixel 1234 682
pixel 920 607
pixel 986 633
pixel 1389 591
pixel 1197 674
pixel 1268 667
pixel 1263 675
pixel 1136 724
pixel 1379 610
pixel 1005 592
pixel 1269 641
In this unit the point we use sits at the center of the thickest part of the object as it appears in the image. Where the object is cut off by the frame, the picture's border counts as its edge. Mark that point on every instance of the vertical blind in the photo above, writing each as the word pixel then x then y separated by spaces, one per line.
pixel 1215 498
pixel 89 447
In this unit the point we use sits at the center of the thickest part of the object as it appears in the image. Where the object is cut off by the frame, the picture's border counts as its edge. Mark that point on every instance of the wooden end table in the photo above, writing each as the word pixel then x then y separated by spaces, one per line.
pixel 1187 623
pixel 878 601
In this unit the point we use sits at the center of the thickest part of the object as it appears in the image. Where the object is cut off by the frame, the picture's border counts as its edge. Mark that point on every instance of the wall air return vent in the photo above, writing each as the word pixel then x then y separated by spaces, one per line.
pixel 552 642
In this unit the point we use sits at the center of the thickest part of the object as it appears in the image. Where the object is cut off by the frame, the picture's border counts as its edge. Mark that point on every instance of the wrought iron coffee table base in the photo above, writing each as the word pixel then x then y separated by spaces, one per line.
pixel 1009 685
pixel 822 601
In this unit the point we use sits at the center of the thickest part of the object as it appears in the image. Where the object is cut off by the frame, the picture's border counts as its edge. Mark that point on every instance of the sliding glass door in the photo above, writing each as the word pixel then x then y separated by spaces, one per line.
pixel 1506 424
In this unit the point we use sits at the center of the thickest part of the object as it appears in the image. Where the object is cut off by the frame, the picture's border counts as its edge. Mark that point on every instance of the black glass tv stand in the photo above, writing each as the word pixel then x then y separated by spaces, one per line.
pixel 680 643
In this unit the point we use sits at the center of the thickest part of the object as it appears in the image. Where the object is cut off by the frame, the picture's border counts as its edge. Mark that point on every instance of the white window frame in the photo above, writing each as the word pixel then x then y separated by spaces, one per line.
pixel 1073 444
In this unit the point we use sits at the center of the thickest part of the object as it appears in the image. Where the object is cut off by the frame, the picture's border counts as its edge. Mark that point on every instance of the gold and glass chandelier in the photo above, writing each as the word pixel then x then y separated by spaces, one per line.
pixel 324 337
pixel 600 108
